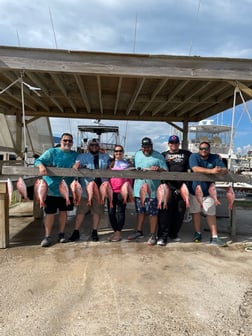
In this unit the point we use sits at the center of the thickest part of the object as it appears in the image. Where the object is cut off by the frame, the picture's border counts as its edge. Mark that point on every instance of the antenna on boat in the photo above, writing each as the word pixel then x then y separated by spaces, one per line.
pixel 135 31
pixel 18 39
pixel 197 15
pixel 54 35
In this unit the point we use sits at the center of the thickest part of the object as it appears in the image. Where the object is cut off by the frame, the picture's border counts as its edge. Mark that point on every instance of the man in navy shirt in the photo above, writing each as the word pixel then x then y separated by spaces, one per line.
pixel 206 163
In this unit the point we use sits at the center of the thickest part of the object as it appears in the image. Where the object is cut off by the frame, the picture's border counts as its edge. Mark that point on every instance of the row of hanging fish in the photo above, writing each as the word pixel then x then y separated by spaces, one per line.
pixel 105 191
pixel 21 187
pixel 163 194
pixel 100 194
pixel 213 193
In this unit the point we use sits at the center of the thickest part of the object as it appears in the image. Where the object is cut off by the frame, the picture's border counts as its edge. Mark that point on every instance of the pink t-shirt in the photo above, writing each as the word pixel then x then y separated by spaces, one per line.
pixel 117 182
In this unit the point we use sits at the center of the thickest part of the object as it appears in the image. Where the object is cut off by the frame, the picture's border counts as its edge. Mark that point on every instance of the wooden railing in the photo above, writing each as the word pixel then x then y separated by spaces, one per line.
pixel 31 173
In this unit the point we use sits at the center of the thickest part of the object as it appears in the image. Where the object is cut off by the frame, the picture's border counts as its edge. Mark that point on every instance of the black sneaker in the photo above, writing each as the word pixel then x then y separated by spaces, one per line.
pixel 197 237
pixel 61 238
pixel 95 236
pixel 75 236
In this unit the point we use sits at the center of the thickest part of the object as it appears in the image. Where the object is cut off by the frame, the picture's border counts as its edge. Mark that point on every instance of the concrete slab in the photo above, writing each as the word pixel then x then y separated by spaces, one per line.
pixel 125 288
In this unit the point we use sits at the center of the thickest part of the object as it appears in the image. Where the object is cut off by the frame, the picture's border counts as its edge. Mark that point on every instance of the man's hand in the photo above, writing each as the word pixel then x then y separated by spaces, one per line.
pixel 76 166
pixel 42 170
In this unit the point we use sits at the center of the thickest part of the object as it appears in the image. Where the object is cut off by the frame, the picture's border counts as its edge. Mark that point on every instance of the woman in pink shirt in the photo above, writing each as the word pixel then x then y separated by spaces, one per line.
pixel 117 213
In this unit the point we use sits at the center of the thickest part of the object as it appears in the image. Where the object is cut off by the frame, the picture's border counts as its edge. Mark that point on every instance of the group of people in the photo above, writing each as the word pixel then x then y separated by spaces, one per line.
pixel 164 223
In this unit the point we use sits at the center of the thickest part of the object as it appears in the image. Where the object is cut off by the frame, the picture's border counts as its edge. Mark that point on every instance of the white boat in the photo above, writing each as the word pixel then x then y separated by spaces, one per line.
pixel 219 137
pixel 108 136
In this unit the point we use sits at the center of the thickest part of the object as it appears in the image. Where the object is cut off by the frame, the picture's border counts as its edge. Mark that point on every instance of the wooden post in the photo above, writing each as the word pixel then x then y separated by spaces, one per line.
pixel 37 211
pixel 233 221
pixel 4 215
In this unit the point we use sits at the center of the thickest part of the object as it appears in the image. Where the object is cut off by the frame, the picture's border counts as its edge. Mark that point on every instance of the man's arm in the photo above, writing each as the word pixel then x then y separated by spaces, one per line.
pixel 215 170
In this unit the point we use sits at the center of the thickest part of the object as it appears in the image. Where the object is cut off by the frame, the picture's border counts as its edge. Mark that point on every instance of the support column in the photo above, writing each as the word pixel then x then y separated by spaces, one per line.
pixel 4 215
pixel 185 135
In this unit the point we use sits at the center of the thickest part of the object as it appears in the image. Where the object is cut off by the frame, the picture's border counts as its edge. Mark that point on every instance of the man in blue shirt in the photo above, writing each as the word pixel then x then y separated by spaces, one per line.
pixel 206 163
pixel 60 157
pixel 147 158
pixel 94 159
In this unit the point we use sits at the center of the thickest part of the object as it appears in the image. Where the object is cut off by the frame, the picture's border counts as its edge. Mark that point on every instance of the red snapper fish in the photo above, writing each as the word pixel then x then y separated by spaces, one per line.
pixel 144 190
pixel 106 192
pixel 35 188
pixel 230 197
pixel 199 195
pixel 163 193
pixel 42 189
pixel 76 190
pixel 93 191
pixel 127 192
pixel 22 189
pixel 213 193
pixel 10 189
pixel 63 188
pixel 185 195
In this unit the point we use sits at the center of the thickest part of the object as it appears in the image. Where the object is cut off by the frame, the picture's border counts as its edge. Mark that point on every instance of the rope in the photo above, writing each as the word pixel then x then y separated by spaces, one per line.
pixel 23 118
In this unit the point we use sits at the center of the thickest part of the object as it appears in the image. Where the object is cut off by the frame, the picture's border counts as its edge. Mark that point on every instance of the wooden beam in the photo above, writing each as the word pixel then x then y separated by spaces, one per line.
pixel 61 86
pixel 154 95
pixel 135 95
pixel 178 88
pixel 100 94
pixel 83 92
pixel 128 173
pixel 82 62
pixel 118 91
pixel 42 86
pixel 4 217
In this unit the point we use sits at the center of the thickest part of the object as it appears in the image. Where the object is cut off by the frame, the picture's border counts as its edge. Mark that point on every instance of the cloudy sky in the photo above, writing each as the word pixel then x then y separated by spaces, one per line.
pixel 215 28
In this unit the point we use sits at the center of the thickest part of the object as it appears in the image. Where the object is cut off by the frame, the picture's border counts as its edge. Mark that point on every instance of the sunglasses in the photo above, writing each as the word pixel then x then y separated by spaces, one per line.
pixel 96 145
pixel 173 142
pixel 204 148
pixel 67 140
pixel 118 151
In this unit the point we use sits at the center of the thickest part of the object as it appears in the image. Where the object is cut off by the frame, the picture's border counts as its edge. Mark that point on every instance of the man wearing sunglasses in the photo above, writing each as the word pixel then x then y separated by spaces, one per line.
pixel 206 163
pixel 94 159
pixel 61 157
pixel 171 219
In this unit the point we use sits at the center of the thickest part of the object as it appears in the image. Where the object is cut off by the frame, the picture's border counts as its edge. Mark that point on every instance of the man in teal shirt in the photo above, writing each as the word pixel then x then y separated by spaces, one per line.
pixel 60 157
pixel 147 158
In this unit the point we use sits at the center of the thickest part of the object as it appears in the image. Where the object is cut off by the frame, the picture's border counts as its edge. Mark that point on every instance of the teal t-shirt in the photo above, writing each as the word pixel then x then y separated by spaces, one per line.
pixel 56 157
pixel 142 161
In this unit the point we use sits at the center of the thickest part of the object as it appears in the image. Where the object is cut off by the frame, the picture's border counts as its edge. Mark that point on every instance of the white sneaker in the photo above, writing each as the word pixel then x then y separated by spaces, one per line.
pixel 176 240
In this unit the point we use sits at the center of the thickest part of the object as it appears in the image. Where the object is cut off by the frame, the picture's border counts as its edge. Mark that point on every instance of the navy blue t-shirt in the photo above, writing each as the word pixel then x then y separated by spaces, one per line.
pixel 211 162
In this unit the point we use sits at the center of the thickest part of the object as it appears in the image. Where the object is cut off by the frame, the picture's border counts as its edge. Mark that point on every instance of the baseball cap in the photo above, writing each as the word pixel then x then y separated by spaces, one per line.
pixel 93 141
pixel 146 142
pixel 173 138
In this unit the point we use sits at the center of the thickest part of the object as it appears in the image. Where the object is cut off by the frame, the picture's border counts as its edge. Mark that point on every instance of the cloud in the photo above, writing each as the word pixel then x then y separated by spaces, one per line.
pixel 211 28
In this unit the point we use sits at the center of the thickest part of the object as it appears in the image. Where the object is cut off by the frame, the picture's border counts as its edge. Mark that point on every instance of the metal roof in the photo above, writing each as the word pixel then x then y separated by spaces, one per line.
pixel 97 85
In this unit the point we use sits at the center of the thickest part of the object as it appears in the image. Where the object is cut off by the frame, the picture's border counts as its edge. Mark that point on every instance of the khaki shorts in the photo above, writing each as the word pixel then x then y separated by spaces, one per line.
pixel 209 207
pixel 95 207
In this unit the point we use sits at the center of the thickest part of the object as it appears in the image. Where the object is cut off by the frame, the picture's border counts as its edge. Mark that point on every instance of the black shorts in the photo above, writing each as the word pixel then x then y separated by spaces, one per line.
pixel 53 203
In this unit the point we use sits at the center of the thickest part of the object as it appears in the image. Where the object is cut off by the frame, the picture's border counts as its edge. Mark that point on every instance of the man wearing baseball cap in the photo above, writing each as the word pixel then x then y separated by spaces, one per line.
pixel 150 159
pixel 171 219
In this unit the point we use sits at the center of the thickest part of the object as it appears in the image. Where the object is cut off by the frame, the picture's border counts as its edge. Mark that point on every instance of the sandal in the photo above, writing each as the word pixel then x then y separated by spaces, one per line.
pixel 111 237
pixel 116 238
